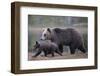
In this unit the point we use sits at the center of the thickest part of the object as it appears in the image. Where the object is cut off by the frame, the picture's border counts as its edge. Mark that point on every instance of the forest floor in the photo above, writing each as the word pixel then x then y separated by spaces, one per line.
pixel 65 55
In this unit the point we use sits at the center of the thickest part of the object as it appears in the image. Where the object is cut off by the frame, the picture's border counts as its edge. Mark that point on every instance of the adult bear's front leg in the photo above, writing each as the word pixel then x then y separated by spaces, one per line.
pixel 61 48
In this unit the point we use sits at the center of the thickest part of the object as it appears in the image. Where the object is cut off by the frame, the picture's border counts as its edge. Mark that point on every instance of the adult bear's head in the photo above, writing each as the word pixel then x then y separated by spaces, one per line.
pixel 46 34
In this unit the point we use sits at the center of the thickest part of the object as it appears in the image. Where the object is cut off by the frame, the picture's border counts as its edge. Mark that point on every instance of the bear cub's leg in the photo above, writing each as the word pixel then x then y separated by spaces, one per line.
pixel 45 53
pixel 58 52
pixel 52 54
pixel 38 53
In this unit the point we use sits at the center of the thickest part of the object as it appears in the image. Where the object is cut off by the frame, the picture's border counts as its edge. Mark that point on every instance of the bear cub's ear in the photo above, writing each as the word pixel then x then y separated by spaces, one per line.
pixel 37 42
pixel 48 29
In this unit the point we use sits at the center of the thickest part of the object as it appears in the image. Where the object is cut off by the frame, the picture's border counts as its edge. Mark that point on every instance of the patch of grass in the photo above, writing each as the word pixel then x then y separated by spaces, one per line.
pixel 31 40
pixel 85 39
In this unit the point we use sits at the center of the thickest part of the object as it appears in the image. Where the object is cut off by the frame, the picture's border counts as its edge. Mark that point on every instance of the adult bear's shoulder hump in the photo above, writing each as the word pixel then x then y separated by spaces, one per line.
pixel 57 30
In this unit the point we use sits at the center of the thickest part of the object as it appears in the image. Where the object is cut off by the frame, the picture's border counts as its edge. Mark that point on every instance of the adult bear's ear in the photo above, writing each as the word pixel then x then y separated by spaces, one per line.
pixel 48 29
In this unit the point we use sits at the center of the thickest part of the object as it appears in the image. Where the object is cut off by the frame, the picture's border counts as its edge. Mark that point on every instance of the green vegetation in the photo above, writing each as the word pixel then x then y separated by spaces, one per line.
pixel 57 21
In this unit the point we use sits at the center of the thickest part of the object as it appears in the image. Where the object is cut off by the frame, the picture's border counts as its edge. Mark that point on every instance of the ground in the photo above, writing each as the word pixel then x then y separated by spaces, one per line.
pixel 66 55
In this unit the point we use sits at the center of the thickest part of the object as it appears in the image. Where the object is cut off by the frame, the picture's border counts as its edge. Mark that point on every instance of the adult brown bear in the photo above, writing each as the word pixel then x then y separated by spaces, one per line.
pixel 69 37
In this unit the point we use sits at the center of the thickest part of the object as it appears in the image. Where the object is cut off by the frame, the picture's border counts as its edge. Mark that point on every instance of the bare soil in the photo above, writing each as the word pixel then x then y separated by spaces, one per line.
pixel 65 55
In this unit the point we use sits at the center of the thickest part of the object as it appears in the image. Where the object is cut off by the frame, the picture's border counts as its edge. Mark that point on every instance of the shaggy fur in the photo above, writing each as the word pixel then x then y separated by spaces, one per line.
pixel 47 47
pixel 69 37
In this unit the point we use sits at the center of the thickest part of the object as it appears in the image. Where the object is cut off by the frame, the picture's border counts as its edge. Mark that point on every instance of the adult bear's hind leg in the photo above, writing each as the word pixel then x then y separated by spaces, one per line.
pixel 72 49
pixel 81 48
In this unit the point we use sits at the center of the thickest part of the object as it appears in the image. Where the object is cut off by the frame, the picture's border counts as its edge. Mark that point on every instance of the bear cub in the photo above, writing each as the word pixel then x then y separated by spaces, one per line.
pixel 47 47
